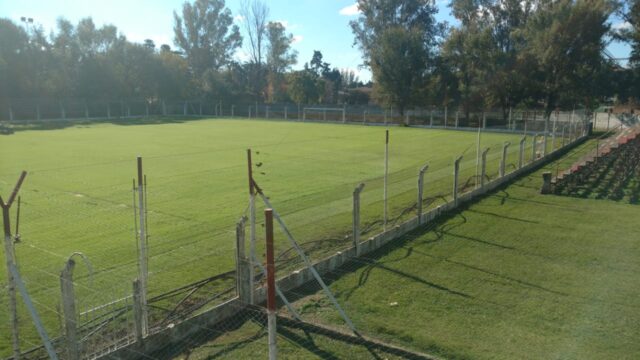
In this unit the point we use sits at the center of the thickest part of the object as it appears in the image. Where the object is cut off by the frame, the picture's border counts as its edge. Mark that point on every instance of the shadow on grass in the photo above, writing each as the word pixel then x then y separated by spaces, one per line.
pixel 63 124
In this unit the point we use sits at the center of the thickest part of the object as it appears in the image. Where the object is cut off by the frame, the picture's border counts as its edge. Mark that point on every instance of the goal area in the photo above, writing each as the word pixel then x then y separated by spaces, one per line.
pixel 324 114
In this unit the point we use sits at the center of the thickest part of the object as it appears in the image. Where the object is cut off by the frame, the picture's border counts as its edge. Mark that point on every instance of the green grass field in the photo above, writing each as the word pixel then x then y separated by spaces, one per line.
pixel 77 196
pixel 517 275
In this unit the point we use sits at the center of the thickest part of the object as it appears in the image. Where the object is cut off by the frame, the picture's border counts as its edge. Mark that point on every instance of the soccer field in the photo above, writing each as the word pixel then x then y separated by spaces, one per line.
pixel 78 198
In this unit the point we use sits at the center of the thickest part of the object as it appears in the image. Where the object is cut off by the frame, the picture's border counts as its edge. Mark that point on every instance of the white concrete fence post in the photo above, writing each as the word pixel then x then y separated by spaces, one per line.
pixel 420 192
pixel 244 284
pixel 483 168
pixel 445 115
pixel 344 114
pixel 69 311
pixel 138 312
pixel 534 145
pixel 503 161
pixel 356 217
pixel 521 153
pixel 456 171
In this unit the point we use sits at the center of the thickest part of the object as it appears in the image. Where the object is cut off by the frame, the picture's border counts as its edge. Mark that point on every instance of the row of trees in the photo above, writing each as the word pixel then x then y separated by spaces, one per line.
pixel 85 61
pixel 504 53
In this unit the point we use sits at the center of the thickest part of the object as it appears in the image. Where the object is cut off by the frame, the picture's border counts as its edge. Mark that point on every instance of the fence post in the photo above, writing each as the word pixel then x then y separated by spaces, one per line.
pixel 385 117
pixel 220 107
pixel 534 145
pixel 266 113
pixel 456 170
pixel 62 112
pixel 244 284
pixel 521 154
pixel 483 167
pixel 146 108
pixel 138 311
pixel 142 258
pixel 364 116
pixel 69 310
pixel 562 135
pixel 420 191
pixel 386 181
pixel 445 115
pixel 431 118
pixel 249 112
pixel 252 221
pixel 356 217
pixel 304 115
pixel 38 112
pixel 484 119
pixel 10 257
pixel 553 132
pixel 271 286
pixel 509 120
pixel 546 134
pixel 407 119
pixel 286 115
pixel 503 162
pixel 233 110
pixel 344 114
pixel 86 110
pixel 457 118
pixel 108 111
pixel 10 113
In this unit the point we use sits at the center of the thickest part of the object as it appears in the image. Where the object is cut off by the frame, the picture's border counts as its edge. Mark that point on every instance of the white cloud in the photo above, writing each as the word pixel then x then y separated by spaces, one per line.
pixel 350 10
pixel 238 18
pixel 297 39
pixel 622 26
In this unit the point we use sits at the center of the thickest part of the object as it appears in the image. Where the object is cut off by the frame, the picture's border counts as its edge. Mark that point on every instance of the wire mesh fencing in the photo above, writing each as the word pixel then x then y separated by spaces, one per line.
pixel 190 207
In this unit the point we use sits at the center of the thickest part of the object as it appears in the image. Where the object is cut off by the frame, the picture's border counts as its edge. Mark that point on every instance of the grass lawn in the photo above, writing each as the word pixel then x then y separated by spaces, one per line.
pixel 77 196
pixel 517 275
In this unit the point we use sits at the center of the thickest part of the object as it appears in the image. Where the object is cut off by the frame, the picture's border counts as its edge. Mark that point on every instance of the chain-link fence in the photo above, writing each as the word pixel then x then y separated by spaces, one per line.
pixel 107 264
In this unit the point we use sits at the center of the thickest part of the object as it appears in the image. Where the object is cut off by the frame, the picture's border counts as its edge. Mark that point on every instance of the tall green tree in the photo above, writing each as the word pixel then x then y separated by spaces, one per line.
pixel 398 40
pixel 565 38
pixel 204 31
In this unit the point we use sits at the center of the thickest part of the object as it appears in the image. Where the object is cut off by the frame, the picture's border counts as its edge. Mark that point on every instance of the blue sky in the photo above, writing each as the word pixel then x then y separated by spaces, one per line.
pixel 316 24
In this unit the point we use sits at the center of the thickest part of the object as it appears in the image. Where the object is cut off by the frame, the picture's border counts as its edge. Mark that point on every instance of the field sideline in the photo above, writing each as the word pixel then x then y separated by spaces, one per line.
pixel 77 196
